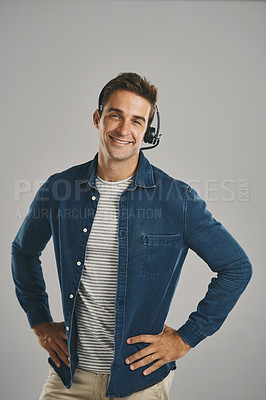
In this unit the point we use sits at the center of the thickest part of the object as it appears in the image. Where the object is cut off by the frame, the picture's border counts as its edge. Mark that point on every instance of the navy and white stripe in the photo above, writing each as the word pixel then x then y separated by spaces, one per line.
pixel 95 305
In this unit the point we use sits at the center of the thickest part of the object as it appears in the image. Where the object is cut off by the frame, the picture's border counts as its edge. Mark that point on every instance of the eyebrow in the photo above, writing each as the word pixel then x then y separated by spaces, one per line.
pixel 121 112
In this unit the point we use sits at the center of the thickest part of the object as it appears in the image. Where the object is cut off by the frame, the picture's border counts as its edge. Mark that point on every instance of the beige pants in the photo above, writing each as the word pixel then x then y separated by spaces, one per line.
pixel 90 386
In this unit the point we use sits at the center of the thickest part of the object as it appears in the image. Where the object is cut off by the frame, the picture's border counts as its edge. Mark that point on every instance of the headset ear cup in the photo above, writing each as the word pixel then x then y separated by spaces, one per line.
pixel 149 135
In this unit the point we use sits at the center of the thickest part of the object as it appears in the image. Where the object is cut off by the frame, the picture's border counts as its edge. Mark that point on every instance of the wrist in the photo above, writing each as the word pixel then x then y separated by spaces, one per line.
pixel 185 345
pixel 40 327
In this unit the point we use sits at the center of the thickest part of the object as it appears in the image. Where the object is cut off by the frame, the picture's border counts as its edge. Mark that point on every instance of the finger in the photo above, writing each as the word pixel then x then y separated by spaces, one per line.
pixel 63 345
pixel 63 332
pixel 54 357
pixel 145 361
pixel 62 355
pixel 139 354
pixel 153 367
pixel 142 339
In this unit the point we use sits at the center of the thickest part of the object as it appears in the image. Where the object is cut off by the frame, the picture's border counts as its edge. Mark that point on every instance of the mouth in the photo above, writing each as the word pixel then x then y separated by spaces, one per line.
pixel 124 142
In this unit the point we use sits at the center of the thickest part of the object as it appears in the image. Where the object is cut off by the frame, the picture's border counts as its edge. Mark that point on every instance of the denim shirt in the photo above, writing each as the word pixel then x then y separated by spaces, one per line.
pixel 160 218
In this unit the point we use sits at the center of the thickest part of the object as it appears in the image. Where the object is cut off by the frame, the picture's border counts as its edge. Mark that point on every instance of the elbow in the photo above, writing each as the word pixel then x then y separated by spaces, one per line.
pixel 249 271
pixel 14 248
pixel 235 280
pixel 244 276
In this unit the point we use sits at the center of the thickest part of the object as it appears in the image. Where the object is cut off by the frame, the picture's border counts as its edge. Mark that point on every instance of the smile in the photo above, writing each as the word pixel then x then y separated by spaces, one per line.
pixel 119 141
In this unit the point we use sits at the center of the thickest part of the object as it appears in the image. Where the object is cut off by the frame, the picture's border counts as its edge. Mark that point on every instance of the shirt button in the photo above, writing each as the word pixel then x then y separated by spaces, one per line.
pixel 85 230
pixel 78 262
pixel 93 198
pixel 67 328
pixel 71 296
pixel 122 234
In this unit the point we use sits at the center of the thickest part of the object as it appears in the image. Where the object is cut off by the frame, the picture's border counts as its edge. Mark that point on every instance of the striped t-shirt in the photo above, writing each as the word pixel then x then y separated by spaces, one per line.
pixel 95 304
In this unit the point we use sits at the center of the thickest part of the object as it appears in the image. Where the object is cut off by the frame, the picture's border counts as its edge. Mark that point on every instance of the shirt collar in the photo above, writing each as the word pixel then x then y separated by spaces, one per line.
pixel 143 176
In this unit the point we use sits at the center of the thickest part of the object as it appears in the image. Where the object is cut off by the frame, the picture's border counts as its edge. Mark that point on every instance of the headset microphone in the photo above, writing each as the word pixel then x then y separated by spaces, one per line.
pixel 152 135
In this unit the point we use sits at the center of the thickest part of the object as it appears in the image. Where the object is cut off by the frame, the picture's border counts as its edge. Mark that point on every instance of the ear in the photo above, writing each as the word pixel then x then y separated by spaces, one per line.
pixel 96 118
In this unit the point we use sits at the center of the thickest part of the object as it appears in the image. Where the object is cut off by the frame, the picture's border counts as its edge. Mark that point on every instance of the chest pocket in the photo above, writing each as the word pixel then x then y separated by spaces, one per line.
pixel 158 254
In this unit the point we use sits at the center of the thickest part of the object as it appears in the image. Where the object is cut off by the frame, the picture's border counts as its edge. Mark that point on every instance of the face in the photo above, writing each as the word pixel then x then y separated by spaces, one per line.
pixel 122 125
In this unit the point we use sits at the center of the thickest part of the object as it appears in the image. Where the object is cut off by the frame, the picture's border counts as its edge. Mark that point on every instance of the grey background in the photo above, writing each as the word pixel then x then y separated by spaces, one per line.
pixel 208 61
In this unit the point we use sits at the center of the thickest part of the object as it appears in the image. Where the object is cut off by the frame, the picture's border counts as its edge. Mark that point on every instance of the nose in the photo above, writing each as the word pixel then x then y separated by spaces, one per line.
pixel 124 127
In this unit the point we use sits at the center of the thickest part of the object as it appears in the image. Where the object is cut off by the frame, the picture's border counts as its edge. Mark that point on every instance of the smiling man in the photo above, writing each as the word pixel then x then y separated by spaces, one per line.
pixel 121 130
pixel 121 229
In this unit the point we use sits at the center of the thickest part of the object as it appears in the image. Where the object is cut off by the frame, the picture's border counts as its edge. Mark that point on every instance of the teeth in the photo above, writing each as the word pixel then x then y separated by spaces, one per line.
pixel 119 141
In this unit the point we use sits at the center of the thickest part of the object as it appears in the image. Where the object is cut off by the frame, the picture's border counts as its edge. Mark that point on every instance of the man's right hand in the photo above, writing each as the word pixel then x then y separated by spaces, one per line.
pixel 52 337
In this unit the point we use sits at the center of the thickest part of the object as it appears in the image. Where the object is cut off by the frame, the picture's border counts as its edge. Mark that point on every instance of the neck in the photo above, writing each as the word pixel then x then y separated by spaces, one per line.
pixel 113 170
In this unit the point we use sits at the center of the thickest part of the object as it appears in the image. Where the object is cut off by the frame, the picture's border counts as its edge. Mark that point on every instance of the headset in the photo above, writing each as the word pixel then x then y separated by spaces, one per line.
pixel 152 135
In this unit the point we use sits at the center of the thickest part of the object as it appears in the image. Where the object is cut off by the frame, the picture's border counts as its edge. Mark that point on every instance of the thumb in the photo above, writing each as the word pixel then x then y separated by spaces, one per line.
pixel 165 328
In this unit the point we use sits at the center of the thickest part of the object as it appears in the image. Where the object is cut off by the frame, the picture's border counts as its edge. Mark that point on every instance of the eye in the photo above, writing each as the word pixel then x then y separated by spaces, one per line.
pixel 114 115
pixel 136 121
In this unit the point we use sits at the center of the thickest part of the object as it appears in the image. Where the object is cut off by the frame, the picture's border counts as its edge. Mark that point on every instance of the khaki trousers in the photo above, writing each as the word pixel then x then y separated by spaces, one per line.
pixel 90 386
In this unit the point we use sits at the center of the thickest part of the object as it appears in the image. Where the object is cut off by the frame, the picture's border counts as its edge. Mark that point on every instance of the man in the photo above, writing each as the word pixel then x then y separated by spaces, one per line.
pixel 121 229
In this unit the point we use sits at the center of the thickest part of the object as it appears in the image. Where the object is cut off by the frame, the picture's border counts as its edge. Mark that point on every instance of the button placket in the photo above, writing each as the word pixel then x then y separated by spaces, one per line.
pixel 121 283
pixel 122 268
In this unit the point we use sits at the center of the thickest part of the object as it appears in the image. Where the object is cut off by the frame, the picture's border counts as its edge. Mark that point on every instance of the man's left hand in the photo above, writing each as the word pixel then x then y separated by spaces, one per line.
pixel 165 347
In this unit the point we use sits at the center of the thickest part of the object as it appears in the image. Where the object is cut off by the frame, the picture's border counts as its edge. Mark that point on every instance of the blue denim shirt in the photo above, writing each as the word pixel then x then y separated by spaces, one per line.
pixel 160 218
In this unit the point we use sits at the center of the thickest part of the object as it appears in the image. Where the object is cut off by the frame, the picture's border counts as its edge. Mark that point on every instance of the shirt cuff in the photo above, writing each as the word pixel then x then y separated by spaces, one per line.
pixel 190 333
pixel 39 316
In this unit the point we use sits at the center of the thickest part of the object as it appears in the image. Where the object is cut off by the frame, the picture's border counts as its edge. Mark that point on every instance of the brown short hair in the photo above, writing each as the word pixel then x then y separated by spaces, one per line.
pixel 133 83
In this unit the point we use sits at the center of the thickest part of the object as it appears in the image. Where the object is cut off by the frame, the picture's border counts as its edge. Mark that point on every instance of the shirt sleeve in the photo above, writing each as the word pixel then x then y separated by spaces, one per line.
pixel 216 246
pixel 26 250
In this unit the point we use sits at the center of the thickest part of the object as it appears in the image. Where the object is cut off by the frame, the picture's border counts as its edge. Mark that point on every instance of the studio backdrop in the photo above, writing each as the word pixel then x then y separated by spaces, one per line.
pixel 208 60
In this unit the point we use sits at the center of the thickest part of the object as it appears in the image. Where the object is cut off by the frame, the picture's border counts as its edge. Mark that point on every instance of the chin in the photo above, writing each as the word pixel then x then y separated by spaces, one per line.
pixel 121 156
